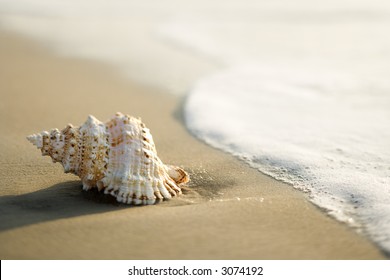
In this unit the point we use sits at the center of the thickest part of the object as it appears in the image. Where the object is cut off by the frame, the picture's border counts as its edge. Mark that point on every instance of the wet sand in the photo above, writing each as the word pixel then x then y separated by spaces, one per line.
pixel 227 211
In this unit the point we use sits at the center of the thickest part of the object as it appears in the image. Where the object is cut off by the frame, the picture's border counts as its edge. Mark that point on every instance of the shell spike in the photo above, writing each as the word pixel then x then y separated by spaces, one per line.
pixel 92 119
pixel 36 140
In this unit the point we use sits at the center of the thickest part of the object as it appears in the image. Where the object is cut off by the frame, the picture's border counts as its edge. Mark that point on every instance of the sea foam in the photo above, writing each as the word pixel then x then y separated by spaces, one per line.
pixel 325 134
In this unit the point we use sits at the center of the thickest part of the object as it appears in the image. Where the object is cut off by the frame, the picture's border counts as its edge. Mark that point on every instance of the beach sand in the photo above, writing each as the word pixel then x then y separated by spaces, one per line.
pixel 228 211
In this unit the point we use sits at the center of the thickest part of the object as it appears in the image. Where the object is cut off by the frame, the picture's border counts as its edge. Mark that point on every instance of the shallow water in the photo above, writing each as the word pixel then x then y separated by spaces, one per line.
pixel 303 93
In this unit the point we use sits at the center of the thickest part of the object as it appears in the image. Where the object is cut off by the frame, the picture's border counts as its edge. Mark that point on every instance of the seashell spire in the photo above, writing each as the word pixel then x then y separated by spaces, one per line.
pixel 118 156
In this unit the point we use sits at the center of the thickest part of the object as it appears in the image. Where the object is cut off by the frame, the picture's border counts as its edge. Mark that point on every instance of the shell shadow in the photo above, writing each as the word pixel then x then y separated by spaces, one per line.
pixel 63 200
pixel 67 200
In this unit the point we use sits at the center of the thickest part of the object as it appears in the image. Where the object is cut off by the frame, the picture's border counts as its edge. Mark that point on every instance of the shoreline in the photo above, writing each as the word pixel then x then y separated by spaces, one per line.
pixel 228 211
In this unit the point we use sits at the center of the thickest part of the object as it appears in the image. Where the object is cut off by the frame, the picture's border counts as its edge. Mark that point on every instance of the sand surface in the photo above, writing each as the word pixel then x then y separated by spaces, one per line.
pixel 228 211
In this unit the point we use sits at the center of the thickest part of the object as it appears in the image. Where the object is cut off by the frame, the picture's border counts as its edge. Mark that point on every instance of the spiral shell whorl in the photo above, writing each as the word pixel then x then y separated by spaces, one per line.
pixel 118 156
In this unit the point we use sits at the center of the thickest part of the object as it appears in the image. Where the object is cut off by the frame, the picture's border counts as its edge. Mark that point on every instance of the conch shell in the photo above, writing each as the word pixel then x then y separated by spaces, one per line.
pixel 118 156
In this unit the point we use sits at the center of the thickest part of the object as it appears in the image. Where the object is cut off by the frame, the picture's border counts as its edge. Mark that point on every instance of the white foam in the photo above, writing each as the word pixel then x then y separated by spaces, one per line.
pixel 326 134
